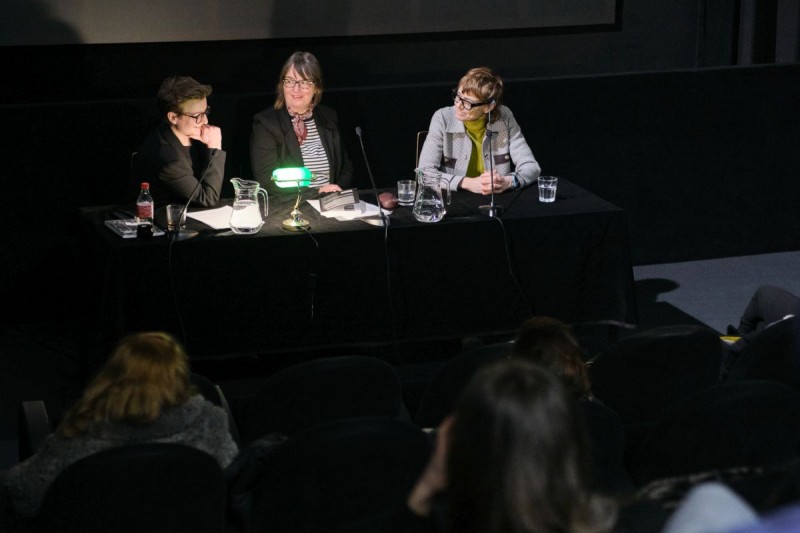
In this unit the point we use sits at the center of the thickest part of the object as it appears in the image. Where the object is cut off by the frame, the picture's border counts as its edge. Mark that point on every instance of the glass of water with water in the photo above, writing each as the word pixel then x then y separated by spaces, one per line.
pixel 547 188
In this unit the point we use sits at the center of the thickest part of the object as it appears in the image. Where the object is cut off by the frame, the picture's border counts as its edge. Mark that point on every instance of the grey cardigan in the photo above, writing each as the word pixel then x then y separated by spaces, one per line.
pixel 197 423
pixel 448 147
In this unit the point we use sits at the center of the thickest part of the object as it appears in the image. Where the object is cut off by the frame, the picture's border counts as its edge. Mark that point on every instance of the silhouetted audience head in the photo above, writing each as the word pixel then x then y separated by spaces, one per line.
pixel 147 373
pixel 513 458
pixel 550 343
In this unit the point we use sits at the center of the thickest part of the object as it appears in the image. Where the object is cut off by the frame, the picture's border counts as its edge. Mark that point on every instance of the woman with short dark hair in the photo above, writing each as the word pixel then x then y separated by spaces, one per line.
pixel 182 158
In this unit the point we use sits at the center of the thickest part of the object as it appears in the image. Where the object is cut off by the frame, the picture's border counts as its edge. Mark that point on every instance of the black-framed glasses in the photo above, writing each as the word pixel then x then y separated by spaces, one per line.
pixel 290 83
pixel 457 98
pixel 198 117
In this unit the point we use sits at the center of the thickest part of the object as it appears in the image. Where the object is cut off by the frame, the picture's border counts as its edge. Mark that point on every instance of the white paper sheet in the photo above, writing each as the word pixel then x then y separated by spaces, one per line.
pixel 218 218
pixel 360 210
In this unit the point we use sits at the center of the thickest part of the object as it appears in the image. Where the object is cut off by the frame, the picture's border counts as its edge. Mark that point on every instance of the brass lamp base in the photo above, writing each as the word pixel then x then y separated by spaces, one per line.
pixel 297 222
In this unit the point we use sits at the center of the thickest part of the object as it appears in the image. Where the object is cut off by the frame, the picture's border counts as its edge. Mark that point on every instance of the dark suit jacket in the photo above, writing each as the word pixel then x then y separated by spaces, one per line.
pixel 273 144
pixel 173 175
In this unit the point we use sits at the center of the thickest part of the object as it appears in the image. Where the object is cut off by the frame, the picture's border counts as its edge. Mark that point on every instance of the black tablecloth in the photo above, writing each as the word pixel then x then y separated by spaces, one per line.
pixel 352 283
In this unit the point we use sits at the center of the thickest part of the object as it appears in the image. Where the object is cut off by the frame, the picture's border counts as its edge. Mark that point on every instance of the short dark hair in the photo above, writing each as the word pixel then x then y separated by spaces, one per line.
pixel 308 67
pixel 549 342
pixel 176 90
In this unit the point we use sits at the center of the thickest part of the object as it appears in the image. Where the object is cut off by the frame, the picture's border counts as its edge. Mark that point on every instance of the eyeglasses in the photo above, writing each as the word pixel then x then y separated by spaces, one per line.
pixel 198 118
pixel 290 83
pixel 457 98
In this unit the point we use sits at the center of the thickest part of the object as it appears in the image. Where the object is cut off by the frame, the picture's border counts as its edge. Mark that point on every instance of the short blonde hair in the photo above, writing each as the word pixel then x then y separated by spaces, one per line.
pixel 484 84
pixel 147 373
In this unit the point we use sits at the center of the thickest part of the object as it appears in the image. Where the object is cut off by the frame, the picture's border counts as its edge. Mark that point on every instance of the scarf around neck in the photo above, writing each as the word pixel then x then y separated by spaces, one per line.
pixel 298 122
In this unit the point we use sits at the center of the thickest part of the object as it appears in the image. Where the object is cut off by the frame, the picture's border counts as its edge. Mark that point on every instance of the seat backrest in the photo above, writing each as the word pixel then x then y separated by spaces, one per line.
pixel 213 393
pixel 311 392
pixel 33 427
pixel 606 434
pixel 441 394
pixel 327 476
pixel 420 141
pixel 152 487
pixel 733 424
pixel 773 354
pixel 640 375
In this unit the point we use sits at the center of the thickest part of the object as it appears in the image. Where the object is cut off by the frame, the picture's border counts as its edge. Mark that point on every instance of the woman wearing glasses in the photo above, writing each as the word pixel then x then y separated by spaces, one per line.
pixel 462 137
pixel 182 158
pixel 297 131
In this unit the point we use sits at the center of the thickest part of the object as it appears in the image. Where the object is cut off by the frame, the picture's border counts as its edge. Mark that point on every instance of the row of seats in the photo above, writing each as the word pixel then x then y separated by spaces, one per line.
pixel 328 441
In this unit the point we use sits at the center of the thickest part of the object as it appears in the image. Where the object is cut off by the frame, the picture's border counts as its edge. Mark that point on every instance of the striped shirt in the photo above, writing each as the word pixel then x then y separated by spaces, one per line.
pixel 314 157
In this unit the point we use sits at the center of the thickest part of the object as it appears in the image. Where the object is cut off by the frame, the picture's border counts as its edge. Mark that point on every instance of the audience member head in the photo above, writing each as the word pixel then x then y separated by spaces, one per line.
pixel 176 91
pixel 301 67
pixel 550 343
pixel 517 457
pixel 146 374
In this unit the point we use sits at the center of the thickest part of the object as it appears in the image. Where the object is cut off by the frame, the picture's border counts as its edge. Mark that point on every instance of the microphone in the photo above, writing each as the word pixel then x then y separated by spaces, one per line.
pixel 384 221
pixel 182 234
pixel 491 209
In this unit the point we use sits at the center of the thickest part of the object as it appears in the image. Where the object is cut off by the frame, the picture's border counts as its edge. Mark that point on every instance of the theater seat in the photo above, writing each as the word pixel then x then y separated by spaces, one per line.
pixel 316 391
pixel 153 487
pixel 773 354
pixel 734 424
pixel 642 374
pixel 327 476
pixel 440 396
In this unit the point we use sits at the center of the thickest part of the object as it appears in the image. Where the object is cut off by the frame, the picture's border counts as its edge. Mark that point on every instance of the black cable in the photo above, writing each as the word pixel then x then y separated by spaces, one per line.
pixel 514 278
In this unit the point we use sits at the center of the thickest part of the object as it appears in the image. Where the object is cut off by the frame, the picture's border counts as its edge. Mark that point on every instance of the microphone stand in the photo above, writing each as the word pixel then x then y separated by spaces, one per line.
pixel 384 220
pixel 183 234
pixel 490 210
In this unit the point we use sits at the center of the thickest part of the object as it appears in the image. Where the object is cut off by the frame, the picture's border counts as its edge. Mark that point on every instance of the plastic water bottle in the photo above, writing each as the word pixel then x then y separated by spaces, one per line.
pixel 144 205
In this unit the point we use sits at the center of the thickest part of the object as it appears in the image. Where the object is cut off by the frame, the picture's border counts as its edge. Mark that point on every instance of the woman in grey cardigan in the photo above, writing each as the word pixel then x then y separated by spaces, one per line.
pixel 142 394
pixel 461 138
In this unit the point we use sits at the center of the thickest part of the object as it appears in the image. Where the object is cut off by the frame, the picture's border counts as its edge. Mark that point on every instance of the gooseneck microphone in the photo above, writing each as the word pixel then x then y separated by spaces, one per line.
pixel 182 234
pixel 491 209
pixel 384 220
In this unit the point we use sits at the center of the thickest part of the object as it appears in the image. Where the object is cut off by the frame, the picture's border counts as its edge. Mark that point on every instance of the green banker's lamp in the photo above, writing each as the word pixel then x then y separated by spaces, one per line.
pixel 298 177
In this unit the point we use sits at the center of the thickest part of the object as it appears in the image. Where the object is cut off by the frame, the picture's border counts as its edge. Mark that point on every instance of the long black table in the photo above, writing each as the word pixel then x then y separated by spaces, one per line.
pixel 353 283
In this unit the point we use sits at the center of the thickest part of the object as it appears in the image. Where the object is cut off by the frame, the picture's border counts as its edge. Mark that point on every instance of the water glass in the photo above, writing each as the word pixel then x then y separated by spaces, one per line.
pixel 405 192
pixel 547 189
pixel 174 213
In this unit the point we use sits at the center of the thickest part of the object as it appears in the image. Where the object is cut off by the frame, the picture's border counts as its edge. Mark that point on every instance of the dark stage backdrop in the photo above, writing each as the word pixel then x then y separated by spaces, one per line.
pixel 37 22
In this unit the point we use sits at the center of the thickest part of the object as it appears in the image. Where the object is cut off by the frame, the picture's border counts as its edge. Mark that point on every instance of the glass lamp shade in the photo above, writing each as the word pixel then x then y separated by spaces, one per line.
pixel 291 177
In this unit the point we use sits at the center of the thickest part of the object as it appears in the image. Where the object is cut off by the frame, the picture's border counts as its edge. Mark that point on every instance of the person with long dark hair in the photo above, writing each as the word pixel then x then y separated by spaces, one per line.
pixel 512 458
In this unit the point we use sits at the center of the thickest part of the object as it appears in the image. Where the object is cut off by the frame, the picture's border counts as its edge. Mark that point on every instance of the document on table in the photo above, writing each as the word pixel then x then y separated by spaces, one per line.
pixel 360 210
pixel 218 218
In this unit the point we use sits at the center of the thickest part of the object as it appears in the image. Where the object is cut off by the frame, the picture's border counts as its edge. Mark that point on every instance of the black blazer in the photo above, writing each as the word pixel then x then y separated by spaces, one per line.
pixel 173 174
pixel 273 144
